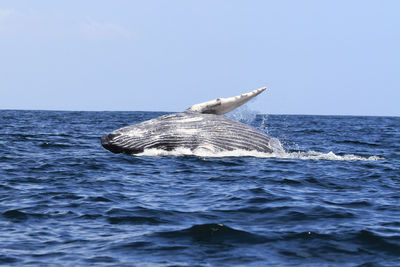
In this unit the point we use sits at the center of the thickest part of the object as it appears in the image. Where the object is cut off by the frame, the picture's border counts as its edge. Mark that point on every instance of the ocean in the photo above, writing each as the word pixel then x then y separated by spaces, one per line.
pixel 332 199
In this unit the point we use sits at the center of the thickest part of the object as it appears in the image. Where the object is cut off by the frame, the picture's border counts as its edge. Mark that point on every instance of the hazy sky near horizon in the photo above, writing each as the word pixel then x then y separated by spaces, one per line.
pixel 316 57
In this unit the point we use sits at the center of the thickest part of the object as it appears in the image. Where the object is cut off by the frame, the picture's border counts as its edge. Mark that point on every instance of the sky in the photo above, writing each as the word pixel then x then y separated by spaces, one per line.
pixel 315 57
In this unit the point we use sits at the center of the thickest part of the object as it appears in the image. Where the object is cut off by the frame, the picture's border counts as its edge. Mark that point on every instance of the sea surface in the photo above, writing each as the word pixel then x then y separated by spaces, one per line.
pixel 332 200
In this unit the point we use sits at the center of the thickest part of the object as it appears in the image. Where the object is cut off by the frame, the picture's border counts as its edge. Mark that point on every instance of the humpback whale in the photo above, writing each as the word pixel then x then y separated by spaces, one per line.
pixel 199 127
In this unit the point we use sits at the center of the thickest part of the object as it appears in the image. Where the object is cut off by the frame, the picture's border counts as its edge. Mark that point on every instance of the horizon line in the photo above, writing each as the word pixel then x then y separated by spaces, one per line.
pixel 159 111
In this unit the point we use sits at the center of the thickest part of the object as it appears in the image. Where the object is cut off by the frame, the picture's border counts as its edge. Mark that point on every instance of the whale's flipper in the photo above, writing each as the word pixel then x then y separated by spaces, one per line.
pixel 224 105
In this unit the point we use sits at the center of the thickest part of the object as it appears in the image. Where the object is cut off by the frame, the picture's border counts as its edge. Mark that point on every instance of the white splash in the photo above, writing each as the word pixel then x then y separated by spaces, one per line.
pixel 243 114
pixel 309 155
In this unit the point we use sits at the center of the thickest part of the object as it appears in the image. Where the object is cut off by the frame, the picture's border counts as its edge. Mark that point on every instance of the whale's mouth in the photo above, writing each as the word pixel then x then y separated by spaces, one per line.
pixel 107 141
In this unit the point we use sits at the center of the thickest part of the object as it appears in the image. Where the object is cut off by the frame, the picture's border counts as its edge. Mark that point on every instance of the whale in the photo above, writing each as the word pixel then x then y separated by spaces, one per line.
pixel 200 127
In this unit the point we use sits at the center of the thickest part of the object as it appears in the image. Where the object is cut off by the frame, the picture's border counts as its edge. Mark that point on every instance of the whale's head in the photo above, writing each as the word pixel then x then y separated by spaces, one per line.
pixel 113 141
pixel 107 143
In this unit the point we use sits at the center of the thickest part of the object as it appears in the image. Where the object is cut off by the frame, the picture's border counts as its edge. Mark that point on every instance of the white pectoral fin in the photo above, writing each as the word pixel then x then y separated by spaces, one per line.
pixel 224 105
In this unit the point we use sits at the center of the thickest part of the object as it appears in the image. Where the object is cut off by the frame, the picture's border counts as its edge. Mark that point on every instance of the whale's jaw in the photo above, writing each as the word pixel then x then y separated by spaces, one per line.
pixel 108 142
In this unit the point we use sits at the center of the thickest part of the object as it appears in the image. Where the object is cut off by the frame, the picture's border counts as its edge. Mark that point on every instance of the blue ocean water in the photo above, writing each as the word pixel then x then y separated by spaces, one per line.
pixel 333 199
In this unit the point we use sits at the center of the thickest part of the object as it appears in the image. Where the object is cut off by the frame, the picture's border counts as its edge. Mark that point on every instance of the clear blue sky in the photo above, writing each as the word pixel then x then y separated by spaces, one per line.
pixel 316 57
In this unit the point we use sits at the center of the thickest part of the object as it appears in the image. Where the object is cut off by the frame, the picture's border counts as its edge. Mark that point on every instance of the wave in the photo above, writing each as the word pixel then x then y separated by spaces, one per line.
pixel 215 233
pixel 307 155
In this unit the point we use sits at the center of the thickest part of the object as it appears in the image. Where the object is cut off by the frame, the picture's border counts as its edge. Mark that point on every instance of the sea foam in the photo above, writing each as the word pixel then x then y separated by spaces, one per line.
pixel 308 155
